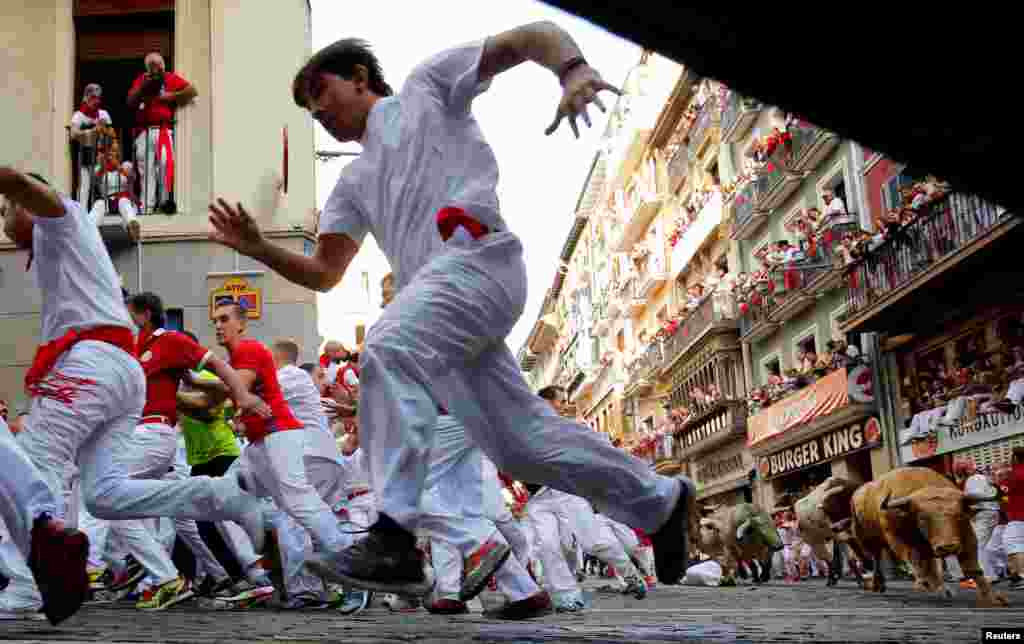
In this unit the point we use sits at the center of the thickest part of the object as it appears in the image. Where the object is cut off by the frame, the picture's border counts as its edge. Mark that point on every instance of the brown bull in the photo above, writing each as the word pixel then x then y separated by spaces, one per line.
pixel 818 513
pixel 734 533
pixel 919 516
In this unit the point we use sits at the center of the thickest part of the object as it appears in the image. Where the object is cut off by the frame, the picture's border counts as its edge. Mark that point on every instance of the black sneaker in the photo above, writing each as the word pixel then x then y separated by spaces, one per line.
pixel 672 541
pixel 210 587
pixel 385 561
pixel 1016 582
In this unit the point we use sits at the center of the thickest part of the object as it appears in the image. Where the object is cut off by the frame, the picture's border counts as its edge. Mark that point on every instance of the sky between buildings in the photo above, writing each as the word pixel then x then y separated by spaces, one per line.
pixel 541 177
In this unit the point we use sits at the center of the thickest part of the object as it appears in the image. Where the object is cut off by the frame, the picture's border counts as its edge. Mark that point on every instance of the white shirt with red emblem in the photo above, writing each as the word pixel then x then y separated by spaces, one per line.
pixel 422 151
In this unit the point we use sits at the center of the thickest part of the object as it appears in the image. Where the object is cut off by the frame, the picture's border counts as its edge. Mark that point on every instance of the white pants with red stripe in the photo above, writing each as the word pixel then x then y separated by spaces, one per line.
pixel 24 495
pixel 96 427
pixel 442 340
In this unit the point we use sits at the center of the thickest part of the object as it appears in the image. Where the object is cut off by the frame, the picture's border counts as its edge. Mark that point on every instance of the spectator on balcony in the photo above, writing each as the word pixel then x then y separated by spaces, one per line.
pixel 156 95
pixel 90 127
pixel 695 295
pixel 835 209
pixel 114 179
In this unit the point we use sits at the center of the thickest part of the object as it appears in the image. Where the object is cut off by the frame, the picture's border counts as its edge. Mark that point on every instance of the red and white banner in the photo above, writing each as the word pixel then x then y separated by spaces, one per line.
pixel 820 399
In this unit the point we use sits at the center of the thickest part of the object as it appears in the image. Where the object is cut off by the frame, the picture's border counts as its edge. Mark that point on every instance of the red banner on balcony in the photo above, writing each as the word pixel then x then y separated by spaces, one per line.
pixel 820 399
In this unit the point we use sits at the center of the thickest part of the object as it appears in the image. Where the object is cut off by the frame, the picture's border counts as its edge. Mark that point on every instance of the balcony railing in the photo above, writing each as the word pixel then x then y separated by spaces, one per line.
pixel 947 227
pixel 678 166
pixel 709 314
pixel 644 366
pixel 744 212
pixel 702 128
pixel 739 114
pixel 811 145
pixel 722 422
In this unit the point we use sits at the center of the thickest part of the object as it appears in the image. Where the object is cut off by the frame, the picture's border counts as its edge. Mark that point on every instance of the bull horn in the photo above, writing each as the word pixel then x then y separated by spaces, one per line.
pixel 842 524
pixel 898 503
pixel 741 531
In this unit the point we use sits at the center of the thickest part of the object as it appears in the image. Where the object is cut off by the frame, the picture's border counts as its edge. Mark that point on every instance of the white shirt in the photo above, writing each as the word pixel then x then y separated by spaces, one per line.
pixel 422 150
pixel 835 207
pixel 78 119
pixel 79 284
pixel 978 486
pixel 303 399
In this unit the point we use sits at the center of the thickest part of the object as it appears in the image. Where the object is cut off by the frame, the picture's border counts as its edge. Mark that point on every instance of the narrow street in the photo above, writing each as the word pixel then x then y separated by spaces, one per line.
pixel 774 613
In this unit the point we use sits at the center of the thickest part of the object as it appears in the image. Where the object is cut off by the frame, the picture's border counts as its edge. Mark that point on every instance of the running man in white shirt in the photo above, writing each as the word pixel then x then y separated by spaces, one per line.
pixel 88 392
pixel 425 186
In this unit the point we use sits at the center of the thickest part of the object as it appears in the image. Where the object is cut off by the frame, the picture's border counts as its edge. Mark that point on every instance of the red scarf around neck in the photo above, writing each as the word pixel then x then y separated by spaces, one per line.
pixel 91 112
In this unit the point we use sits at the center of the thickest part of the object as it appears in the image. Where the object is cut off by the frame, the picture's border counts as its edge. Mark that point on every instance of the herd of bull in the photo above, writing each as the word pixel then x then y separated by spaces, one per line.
pixel 914 513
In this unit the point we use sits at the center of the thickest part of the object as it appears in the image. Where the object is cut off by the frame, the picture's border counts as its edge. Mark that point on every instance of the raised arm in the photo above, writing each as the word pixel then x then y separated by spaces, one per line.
pixel 234 228
pixel 550 46
pixel 34 196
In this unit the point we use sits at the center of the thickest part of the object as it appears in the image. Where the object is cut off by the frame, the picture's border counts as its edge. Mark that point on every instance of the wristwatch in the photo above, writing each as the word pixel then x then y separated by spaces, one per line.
pixel 568 66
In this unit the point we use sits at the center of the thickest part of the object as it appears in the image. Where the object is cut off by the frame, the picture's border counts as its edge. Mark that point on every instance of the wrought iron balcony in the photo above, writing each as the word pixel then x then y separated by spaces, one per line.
pixel 704 318
pixel 642 369
pixel 756 324
pixel 773 187
pixel 811 146
pixel 704 128
pixel 739 115
pixel 718 424
pixel 678 167
pixel 747 219
pixel 944 230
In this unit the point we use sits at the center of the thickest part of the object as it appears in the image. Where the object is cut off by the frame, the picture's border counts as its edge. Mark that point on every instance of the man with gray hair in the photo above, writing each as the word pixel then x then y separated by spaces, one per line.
pixel 155 96
pixel 88 124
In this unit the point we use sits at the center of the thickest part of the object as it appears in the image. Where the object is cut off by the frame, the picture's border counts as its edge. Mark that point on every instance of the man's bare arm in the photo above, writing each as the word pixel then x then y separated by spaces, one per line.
pixel 38 198
pixel 235 228
pixel 185 95
pixel 544 42
pixel 321 272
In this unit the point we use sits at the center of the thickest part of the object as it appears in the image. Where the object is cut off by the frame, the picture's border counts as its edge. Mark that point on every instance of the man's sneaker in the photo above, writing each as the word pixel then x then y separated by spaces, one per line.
pixel 537 605
pixel 57 560
pixel 480 567
pixel 572 606
pixel 213 587
pixel 580 577
pixel 386 561
pixel 305 601
pixel 1016 582
pixel 127 577
pixel 97 578
pixel 651 582
pixel 352 602
pixel 13 609
pixel 397 604
pixel 636 587
pixel 672 541
pixel 968 584
pixel 166 595
pixel 447 607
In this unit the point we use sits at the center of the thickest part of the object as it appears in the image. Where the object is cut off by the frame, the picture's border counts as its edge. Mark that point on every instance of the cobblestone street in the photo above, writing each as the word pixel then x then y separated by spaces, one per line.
pixel 775 613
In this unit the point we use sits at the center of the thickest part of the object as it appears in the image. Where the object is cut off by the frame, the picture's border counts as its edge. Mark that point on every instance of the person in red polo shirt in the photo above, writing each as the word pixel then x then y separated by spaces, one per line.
pixel 165 357
pixel 155 96
pixel 272 463
pixel 88 391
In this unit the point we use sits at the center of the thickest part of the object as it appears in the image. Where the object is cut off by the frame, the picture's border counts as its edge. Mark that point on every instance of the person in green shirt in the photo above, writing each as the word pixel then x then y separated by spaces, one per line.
pixel 211 448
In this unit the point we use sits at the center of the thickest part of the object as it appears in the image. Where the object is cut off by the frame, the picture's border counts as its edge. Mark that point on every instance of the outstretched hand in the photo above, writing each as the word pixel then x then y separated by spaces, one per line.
pixel 234 228
pixel 582 86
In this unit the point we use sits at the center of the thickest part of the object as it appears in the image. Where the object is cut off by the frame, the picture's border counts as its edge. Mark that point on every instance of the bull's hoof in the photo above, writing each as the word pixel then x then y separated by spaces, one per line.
pixel 921 586
pixel 996 600
pixel 946 593
pixel 728 582
pixel 832 581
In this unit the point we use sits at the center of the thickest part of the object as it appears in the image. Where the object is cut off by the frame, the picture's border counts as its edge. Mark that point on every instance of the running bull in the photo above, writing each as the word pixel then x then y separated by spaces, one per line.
pixel 822 516
pixel 919 516
pixel 735 533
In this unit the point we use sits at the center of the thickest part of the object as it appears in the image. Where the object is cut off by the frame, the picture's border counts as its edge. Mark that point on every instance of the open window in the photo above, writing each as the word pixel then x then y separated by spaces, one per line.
pixel 112 41
pixel 806 342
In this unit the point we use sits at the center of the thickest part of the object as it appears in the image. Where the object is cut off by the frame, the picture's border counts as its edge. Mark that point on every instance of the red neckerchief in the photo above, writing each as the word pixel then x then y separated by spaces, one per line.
pixel 91 112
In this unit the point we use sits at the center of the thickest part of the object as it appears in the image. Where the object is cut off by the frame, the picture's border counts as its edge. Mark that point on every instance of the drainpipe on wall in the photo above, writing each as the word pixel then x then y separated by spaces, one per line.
pixel 882 370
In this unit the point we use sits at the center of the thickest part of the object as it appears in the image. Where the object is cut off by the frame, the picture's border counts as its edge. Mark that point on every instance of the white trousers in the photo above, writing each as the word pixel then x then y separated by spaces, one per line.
pixel 96 429
pixel 443 341
pixel 274 468
pixel 995 550
pixel 152 172
pixel 1013 538
pixel 984 522
pixel 512 579
pixel 20 509
pixel 125 208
